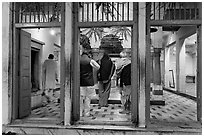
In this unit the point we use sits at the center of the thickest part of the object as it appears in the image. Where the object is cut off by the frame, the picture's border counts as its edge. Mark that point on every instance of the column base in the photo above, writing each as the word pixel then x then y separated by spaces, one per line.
pixel 157 102
pixel 157 99
pixel 158 92
pixel 157 89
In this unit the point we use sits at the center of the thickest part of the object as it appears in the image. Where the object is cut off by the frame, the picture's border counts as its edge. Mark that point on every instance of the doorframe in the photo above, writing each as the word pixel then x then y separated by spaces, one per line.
pixel 38 48
pixel 134 66
pixel 199 67
pixel 198 23
pixel 16 27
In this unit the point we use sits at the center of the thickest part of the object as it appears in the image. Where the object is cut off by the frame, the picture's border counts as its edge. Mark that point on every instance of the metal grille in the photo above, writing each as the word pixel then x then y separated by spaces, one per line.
pixel 38 12
pixel 105 11
pixel 174 10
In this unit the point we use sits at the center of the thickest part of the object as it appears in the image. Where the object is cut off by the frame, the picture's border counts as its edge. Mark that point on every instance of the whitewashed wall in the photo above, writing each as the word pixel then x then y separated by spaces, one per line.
pixel 5 64
pixel 187 64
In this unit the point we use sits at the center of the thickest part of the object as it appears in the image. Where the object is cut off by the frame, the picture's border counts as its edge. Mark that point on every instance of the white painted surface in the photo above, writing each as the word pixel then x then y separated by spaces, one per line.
pixel 187 63
pixel 43 34
pixel 142 46
pixel 157 38
pixel 5 62
pixel 182 67
pixel 68 47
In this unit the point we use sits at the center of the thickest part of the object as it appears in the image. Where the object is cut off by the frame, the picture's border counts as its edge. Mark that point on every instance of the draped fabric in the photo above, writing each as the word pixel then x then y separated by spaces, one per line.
pixel 120 63
pixel 104 93
pixel 106 71
pixel 49 74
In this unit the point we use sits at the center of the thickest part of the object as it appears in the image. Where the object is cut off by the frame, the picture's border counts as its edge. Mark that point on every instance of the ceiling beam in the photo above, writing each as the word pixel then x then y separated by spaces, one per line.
pixel 38 25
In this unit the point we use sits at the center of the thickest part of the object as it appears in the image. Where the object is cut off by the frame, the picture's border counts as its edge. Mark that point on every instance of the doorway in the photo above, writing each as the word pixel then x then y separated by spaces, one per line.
pixel 35 83
pixel 113 40
pixel 41 43
pixel 87 18
pixel 178 64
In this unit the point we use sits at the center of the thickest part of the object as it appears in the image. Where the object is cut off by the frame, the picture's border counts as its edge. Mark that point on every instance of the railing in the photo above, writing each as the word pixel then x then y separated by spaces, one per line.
pixel 174 11
pixel 38 12
pixel 105 11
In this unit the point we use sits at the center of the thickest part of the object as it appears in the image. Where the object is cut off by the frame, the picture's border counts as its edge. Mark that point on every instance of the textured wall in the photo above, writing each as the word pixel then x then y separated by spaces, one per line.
pixel 5 62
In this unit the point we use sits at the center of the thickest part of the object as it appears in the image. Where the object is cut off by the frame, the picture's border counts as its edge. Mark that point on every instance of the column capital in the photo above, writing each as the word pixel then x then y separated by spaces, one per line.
pixel 157 52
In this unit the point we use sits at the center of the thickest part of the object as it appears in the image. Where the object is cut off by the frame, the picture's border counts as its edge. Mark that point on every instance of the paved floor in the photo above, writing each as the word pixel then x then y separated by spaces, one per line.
pixel 191 89
pixel 177 109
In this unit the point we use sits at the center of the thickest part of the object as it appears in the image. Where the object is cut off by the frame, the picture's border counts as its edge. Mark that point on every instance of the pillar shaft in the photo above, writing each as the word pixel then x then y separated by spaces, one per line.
pixel 157 94
pixel 157 88
pixel 157 67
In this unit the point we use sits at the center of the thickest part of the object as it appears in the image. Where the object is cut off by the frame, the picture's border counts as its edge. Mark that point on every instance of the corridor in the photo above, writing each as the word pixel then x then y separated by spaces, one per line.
pixel 177 109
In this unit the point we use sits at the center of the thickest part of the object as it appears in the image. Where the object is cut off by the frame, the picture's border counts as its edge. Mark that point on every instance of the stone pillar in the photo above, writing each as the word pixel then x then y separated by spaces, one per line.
pixel 151 69
pixel 157 91
pixel 157 72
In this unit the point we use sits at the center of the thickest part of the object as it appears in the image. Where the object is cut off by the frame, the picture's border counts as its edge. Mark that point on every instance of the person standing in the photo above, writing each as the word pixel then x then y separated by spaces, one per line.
pixel 125 88
pixel 105 73
pixel 123 70
pixel 49 77
pixel 87 65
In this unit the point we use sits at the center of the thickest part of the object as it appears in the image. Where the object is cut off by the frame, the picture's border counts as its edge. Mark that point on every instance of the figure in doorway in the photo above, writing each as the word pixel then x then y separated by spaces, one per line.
pixel 87 65
pixel 123 71
pixel 49 79
pixel 105 73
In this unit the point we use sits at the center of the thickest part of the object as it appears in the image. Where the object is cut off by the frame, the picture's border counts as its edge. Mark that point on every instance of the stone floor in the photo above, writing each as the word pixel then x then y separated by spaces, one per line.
pixel 177 109
pixel 51 110
pixel 191 89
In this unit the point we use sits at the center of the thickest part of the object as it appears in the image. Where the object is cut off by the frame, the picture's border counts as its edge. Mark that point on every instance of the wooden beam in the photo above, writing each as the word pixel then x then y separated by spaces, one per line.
pixel 128 10
pixel 148 64
pixel 118 11
pixel 199 74
pixel 123 11
pixel 105 24
pixel 14 48
pixel 92 11
pixel 174 22
pixel 75 67
pixel 134 66
pixel 82 12
pixel 87 12
pixel 63 70
pixel 142 65
pixel 38 25
pixel 66 55
pixel 199 68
